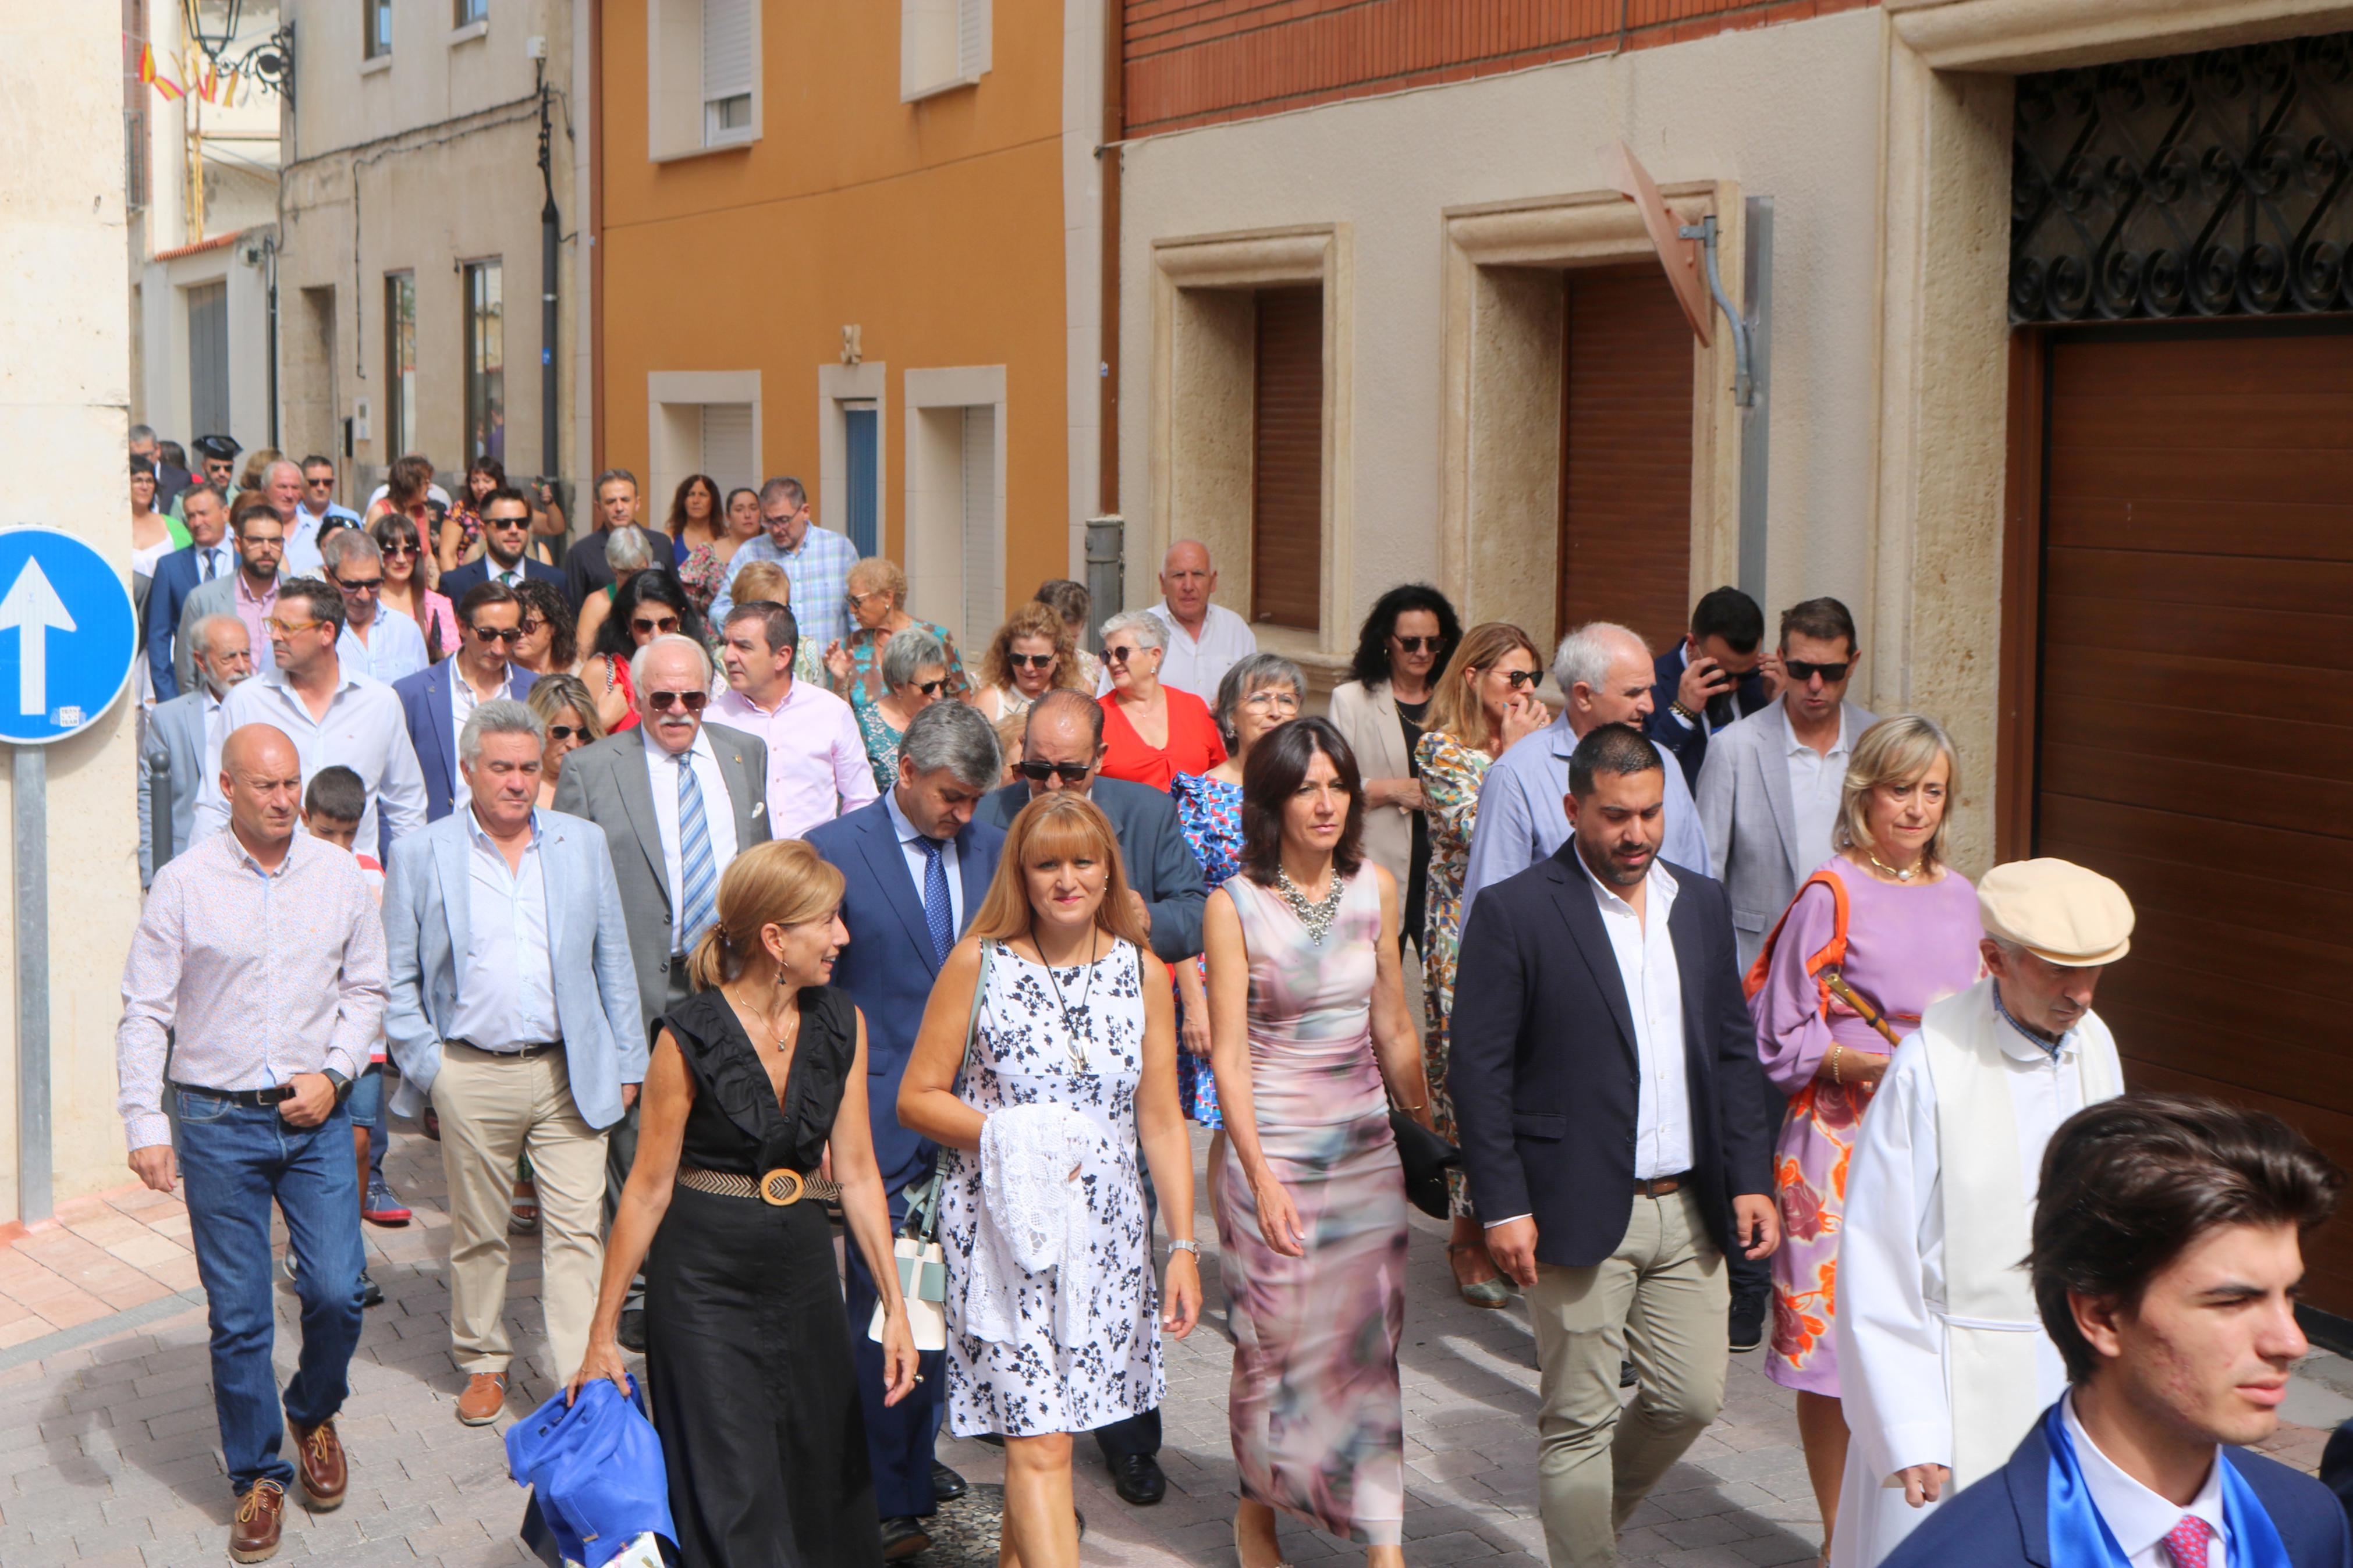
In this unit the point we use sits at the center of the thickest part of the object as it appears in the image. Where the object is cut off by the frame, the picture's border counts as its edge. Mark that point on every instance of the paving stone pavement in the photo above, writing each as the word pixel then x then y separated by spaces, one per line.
pixel 109 1456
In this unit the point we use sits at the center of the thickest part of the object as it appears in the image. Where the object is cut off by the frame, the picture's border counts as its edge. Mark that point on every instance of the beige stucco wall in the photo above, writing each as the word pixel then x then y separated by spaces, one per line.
pixel 65 364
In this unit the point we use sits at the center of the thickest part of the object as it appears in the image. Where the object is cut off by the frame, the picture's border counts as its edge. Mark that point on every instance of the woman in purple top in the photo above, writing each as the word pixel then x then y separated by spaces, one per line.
pixel 1912 937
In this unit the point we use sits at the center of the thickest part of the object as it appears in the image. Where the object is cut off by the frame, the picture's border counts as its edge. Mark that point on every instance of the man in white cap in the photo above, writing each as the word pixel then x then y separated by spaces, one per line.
pixel 1943 1362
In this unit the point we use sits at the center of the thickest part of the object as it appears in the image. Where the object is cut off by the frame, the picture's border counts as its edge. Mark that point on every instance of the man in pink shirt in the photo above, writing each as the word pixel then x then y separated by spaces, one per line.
pixel 816 762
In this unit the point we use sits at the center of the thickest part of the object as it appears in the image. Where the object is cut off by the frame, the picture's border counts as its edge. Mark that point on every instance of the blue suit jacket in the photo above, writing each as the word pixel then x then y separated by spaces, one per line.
pixel 2003 1521
pixel 1689 743
pixel 427 921
pixel 889 966
pixel 425 704
pixel 175 577
pixel 454 584
pixel 1153 852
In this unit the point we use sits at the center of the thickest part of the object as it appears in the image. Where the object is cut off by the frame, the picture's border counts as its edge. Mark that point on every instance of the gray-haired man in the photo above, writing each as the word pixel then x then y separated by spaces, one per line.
pixel 514 1008
pixel 181 731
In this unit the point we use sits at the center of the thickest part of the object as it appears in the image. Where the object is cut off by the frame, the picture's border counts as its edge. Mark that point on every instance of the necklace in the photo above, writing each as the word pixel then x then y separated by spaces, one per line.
pixel 1316 914
pixel 1904 875
pixel 777 1037
pixel 1074 1040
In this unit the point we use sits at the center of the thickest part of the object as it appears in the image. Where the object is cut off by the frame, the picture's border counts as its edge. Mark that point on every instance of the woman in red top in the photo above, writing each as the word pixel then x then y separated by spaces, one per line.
pixel 1151 732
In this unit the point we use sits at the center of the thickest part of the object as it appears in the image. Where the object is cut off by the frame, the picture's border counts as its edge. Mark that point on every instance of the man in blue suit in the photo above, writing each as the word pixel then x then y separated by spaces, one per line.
pixel 207 559
pixel 1715 677
pixel 917 866
pixel 437 699
pixel 2166 1261
pixel 505 559
pixel 514 1008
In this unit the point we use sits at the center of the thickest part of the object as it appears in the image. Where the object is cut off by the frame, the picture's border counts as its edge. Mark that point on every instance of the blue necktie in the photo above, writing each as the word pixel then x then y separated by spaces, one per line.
pixel 207 557
pixel 938 913
pixel 698 873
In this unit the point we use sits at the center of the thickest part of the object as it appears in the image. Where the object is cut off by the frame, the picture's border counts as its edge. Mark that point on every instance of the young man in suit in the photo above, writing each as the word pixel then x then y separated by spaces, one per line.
pixel 514 1007
pixel 918 864
pixel 2166 1261
pixel 435 701
pixel 181 733
pixel 1616 1134
pixel 1712 678
pixel 506 555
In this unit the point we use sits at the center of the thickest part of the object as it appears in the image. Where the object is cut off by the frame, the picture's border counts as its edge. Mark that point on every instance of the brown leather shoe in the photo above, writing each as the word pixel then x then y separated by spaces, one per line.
pixel 319 1459
pixel 261 1513
pixel 485 1396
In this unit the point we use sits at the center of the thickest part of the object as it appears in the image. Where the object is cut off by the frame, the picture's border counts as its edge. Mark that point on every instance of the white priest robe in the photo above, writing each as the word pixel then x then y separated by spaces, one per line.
pixel 1941 1358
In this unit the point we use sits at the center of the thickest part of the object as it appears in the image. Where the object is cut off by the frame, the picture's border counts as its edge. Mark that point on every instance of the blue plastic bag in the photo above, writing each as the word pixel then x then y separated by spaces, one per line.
pixel 596 1472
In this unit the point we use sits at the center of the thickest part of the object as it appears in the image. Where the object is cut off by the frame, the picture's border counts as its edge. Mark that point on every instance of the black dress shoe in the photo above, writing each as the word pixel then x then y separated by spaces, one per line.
pixel 902 1538
pixel 1137 1479
pixel 946 1485
pixel 371 1293
pixel 632 1335
pixel 1748 1320
pixel 1626 1375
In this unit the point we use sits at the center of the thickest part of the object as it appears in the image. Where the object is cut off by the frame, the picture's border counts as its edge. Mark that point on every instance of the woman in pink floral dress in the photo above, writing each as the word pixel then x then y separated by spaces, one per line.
pixel 1912 935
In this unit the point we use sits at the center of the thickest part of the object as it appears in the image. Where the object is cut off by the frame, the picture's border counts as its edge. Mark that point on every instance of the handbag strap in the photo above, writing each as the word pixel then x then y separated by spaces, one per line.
pixel 924 1203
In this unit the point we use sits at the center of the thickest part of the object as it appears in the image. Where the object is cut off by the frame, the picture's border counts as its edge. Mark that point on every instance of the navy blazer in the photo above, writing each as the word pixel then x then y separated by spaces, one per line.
pixel 425 704
pixel 1668 733
pixel 1544 1075
pixel 889 966
pixel 2003 1521
pixel 176 575
pixel 1157 861
pixel 454 584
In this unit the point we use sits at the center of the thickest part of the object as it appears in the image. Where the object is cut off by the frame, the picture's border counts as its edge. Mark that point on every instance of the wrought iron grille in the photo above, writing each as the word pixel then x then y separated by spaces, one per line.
pixel 2210 185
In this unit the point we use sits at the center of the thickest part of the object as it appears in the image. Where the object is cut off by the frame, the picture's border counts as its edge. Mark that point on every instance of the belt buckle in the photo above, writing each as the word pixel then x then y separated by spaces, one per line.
pixel 782 1187
pixel 276 1094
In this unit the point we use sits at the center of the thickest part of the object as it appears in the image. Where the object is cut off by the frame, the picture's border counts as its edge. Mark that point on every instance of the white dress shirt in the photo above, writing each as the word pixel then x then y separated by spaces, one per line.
pixel 393 648
pixel 1197 664
pixel 718 817
pixel 1655 992
pixel 508 999
pixel 223 559
pixel 2138 1518
pixel 1816 784
pixel 918 859
pixel 364 730
pixel 462 703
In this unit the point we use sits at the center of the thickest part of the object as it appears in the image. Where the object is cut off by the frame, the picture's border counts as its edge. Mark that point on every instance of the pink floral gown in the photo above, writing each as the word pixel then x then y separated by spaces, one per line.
pixel 1906 947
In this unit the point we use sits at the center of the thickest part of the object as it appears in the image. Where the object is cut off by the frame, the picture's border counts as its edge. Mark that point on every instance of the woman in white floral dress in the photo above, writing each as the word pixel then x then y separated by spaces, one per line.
pixel 1036 1351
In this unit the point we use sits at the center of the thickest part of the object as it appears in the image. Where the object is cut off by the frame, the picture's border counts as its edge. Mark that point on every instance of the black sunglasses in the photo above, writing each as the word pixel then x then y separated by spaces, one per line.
pixel 498 634
pixel 1417 645
pixel 652 629
pixel 1801 672
pixel 359 585
pixel 565 731
pixel 1038 773
pixel 930 688
pixel 1516 679
pixel 1031 660
pixel 664 701
pixel 397 549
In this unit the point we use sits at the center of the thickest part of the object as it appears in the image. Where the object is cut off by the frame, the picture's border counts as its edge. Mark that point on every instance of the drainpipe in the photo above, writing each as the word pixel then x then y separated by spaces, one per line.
pixel 1114 128
pixel 270 260
pixel 551 244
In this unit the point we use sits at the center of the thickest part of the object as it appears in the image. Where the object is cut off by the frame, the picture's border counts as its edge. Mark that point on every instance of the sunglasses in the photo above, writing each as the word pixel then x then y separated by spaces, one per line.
pixel 1417 645
pixel 1031 660
pixel 359 585
pixel 663 702
pixel 288 628
pixel 929 687
pixel 397 551
pixel 498 634
pixel 565 731
pixel 506 525
pixel 1801 672
pixel 654 629
pixel 1516 679
pixel 1120 655
pixel 1038 773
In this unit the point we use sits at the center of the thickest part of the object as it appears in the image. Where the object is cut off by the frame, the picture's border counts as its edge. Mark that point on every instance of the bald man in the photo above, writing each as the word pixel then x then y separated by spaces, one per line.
pixel 1205 640
pixel 261 948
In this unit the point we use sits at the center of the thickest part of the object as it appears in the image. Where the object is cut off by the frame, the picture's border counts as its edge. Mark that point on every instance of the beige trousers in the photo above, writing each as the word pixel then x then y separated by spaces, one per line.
pixel 492 1110
pixel 1661 1301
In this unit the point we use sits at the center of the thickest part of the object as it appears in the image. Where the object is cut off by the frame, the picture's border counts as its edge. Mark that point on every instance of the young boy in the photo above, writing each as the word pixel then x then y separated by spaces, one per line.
pixel 332 807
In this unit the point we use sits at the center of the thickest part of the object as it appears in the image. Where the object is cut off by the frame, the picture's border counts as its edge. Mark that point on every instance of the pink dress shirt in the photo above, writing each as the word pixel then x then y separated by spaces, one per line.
pixel 817 761
pixel 254 612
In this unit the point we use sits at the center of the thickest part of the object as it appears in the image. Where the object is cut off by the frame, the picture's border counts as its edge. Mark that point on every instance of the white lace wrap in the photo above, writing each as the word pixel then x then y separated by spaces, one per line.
pixel 1034 1219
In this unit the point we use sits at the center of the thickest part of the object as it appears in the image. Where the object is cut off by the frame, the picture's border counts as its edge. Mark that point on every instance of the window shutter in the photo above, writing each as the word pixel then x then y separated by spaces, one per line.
pixel 972 38
pixel 1287 460
pixel 984 550
pixel 727 454
pixel 726 49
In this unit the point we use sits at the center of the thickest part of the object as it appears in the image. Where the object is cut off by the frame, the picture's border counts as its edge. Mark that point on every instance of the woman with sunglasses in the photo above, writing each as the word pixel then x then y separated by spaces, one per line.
pixel 549 646
pixel 915 676
pixel 628 551
pixel 705 566
pixel 1030 656
pixel 878 606
pixel 1483 705
pixel 408 586
pixel 570 714
pixel 1151 732
pixel 1405 642
pixel 651 605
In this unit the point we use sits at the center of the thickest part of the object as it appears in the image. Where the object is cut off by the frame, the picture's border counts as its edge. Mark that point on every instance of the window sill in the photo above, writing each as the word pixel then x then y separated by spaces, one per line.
pixel 734 143
pixel 377 64
pixel 954 84
pixel 469 32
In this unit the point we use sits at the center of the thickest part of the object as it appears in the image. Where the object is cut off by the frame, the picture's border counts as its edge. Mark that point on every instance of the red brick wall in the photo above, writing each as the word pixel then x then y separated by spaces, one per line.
pixel 1198 62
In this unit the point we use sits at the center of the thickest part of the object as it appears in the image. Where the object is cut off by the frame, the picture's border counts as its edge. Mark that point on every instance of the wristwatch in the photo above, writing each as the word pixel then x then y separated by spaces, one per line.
pixel 1188 1244
pixel 342 1085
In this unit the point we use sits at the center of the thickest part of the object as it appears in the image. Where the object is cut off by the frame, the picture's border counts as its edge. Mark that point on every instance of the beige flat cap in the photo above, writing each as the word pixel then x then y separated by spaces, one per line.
pixel 2057 910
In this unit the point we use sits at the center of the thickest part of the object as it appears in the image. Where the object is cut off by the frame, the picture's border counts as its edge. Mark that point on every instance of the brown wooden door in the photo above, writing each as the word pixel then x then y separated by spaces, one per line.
pixel 2194 707
pixel 1626 453
pixel 1287 460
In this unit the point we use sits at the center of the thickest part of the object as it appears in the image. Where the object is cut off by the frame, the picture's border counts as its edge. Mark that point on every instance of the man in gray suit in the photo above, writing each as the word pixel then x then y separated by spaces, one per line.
pixel 1769 790
pixel 514 1007
pixel 678 799
pixel 172 754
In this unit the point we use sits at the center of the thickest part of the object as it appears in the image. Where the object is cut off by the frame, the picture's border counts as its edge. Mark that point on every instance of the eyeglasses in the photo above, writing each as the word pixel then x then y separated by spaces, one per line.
pixel 1038 773
pixel 506 525
pixel 1417 645
pixel 534 623
pixel 928 687
pixel 1031 660
pixel 1801 672
pixel 565 731
pixel 1272 701
pixel 396 552
pixel 498 634
pixel 1516 679
pixel 645 628
pixel 359 585
pixel 288 628
pixel 1121 654
pixel 663 702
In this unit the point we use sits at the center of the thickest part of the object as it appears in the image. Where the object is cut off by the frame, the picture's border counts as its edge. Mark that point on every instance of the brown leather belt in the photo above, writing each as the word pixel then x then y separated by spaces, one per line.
pixel 781 1188
pixel 1659 1187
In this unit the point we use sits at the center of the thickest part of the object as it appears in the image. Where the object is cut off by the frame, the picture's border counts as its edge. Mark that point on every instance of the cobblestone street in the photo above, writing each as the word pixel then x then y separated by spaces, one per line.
pixel 110 1460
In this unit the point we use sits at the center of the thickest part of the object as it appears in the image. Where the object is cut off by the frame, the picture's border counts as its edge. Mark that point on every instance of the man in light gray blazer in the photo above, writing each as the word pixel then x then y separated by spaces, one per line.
pixel 172 753
pixel 514 1009
pixel 670 843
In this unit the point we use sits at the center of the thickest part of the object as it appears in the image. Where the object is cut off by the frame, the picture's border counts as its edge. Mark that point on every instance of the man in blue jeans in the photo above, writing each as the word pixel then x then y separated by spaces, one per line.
pixel 264 953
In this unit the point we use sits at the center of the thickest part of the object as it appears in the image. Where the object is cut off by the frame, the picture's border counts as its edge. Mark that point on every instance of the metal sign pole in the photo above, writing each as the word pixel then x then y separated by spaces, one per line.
pixel 1756 420
pixel 29 774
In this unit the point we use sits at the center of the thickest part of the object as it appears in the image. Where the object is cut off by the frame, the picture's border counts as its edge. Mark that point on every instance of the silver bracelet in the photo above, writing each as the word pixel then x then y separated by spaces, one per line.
pixel 1188 1245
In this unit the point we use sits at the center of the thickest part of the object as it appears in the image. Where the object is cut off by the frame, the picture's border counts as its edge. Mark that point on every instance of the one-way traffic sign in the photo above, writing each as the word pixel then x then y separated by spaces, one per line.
pixel 68 636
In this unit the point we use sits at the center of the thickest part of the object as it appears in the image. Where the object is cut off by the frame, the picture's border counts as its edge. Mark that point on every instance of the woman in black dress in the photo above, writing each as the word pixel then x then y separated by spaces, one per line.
pixel 747 1346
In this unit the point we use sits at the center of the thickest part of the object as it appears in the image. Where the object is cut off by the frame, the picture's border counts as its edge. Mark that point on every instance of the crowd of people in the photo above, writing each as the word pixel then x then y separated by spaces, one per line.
pixel 696 895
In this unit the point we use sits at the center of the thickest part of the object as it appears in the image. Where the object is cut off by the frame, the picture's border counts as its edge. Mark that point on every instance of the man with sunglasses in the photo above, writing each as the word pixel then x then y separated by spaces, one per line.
pixel 435 701
pixel 316 516
pixel 1769 792
pixel 506 554
pixel 378 639
pixel 816 762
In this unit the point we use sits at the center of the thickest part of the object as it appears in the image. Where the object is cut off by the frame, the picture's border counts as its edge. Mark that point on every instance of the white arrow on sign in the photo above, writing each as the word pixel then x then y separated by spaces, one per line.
pixel 33 608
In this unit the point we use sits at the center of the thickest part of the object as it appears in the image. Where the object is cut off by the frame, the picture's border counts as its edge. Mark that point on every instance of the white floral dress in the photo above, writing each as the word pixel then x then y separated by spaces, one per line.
pixel 1070 1367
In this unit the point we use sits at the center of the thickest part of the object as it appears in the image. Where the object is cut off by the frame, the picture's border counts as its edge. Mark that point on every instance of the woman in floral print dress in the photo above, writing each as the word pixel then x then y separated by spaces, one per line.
pixel 1484 703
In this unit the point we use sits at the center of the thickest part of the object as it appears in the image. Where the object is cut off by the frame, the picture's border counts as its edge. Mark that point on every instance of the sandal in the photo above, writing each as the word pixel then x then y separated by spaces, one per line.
pixel 1492 1294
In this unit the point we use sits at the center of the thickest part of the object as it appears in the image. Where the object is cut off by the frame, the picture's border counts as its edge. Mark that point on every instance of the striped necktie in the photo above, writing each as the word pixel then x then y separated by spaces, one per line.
pixel 698 871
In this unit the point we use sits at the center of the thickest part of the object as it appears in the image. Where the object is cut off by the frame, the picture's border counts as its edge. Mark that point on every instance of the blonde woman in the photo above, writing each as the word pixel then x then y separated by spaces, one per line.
pixel 1031 656
pixel 754 1080
pixel 1908 927
pixel 878 613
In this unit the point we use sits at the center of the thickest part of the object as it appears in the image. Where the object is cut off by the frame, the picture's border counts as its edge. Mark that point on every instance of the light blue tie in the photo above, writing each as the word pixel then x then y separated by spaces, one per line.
pixel 698 872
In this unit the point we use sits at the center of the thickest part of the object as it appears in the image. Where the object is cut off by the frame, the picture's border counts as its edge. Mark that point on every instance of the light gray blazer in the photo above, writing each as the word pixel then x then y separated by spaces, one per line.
pixel 428 926
pixel 217 597
pixel 170 764
pixel 605 782
pixel 1367 717
pixel 1751 827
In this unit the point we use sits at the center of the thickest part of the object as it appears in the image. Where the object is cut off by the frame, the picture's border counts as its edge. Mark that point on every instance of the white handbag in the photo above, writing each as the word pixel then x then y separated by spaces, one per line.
pixel 923 1263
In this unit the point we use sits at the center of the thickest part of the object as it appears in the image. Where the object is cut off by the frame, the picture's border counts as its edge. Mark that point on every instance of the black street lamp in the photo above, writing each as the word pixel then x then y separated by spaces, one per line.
pixel 213 26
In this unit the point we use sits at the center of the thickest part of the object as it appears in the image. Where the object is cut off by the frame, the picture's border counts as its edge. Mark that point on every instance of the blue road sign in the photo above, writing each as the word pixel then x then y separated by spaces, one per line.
pixel 66 635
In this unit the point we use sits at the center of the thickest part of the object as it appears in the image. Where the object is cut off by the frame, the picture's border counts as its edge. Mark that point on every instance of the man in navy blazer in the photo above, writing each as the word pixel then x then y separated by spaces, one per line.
pixel 506 558
pixel 1615 1131
pixel 2166 1260
pixel 437 699
pixel 207 558
pixel 917 867
pixel 1714 676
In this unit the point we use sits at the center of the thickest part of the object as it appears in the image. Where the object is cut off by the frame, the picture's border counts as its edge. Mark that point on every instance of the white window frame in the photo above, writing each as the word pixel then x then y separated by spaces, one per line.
pixel 676 109
pixel 943 45
pixel 934 555
pixel 674 404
